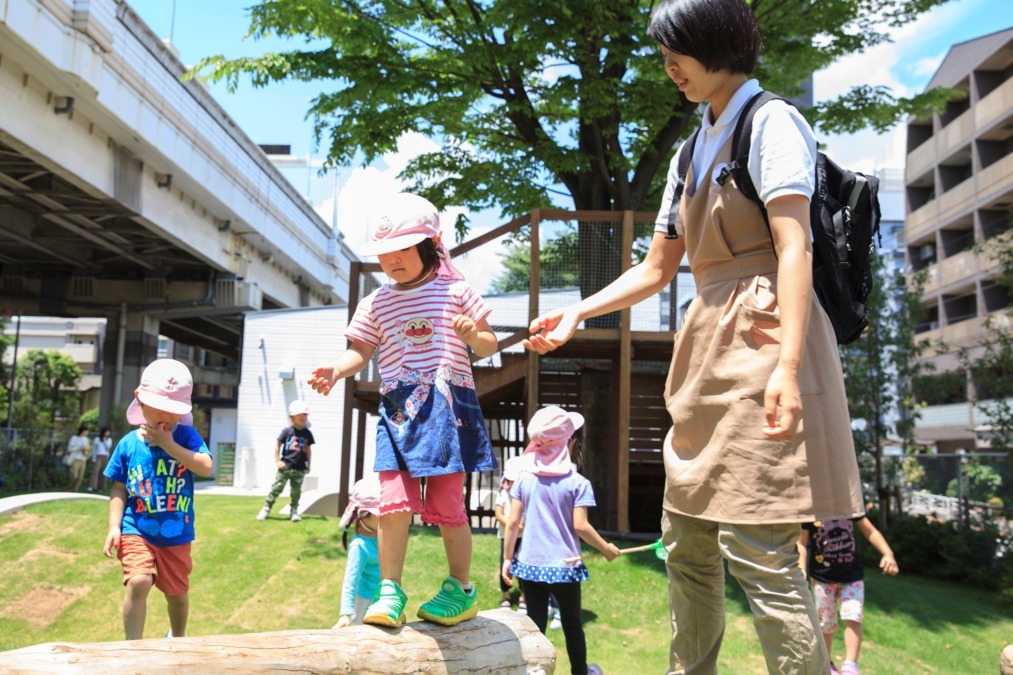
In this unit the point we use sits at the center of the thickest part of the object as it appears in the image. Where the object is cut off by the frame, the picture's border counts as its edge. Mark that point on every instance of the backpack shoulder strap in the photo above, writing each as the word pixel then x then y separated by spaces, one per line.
pixel 685 157
pixel 741 139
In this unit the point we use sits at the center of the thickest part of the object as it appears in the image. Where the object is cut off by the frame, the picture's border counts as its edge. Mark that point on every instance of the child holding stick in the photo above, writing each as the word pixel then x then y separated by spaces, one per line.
pixel 553 500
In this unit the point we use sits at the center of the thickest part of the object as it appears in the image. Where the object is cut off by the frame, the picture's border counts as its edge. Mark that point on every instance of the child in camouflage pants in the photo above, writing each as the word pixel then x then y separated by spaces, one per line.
pixel 292 456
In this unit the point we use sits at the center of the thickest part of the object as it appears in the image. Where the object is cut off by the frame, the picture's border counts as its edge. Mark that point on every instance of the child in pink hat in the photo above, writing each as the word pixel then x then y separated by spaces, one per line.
pixel 151 510
pixel 553 499
pixel 424 325
pixel 362 567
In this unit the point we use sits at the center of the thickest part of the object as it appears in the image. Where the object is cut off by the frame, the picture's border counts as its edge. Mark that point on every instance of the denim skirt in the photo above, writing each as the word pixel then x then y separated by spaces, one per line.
pixel 444 436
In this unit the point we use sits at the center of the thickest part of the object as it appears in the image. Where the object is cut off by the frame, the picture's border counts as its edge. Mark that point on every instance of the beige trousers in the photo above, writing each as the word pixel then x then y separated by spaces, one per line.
pixel 764 560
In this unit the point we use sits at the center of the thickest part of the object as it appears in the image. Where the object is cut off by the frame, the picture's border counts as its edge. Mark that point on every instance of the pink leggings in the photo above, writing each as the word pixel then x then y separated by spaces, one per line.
pixel 443 503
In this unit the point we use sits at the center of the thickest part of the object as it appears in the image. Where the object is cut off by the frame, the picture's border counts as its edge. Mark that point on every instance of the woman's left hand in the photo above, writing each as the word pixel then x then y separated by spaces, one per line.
pixel 507 577
pixel 782 404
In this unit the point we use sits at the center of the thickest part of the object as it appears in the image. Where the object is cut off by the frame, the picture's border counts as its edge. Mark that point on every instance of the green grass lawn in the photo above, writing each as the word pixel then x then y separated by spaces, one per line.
pixel 55 585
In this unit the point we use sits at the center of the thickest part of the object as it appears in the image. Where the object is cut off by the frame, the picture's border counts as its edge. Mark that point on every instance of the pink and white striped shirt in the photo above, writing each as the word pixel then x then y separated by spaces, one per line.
pixel 412 328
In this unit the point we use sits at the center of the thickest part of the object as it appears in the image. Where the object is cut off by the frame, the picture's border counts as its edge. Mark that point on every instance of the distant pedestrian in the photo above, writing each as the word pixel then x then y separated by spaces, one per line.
pixel 78 451
pixel 101 450
pixel 292 456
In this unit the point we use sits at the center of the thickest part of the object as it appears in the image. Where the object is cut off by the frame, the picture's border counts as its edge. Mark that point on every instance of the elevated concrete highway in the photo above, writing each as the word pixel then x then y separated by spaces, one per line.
pixel 129 194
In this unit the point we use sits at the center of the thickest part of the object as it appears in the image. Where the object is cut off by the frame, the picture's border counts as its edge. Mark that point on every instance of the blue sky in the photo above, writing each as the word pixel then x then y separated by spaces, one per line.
pixel 277 114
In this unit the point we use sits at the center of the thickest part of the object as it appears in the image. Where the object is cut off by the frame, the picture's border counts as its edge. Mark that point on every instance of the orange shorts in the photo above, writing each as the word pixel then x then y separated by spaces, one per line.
pixel 169 565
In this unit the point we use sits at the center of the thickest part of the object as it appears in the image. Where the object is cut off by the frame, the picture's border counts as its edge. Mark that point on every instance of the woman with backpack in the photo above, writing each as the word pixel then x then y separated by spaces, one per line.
pixel 761 439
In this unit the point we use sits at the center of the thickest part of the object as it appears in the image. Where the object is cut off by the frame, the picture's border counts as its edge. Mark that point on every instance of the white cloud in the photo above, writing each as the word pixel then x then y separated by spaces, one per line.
pixel 905 65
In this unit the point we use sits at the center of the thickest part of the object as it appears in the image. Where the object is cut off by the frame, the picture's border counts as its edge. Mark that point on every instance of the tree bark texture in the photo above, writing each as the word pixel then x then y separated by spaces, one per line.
pixel 496 641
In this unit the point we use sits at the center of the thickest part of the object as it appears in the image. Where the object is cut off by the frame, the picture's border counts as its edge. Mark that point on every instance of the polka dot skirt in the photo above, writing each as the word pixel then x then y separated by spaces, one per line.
pixel 550 575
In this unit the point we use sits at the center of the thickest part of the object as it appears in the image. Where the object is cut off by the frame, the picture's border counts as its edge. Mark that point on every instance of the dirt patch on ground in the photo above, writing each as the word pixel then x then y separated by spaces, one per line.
pixel 20 521
pixel 46 553
pixel 42 606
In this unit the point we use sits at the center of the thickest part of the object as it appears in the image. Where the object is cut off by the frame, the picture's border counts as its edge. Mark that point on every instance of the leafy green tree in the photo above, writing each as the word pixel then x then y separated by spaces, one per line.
pixel 530 96
pixel 557 259
pixel 45 389
pixel 5 375
pixel 981 480
pixel 991 365
pixel 879 368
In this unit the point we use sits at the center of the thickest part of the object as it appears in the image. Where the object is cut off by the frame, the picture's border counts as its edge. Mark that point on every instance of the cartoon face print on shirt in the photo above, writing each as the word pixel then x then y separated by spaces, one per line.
pixel 418 330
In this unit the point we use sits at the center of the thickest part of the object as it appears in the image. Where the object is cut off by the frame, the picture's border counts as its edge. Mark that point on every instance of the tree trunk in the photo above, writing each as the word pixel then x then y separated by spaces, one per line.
pixel 496 641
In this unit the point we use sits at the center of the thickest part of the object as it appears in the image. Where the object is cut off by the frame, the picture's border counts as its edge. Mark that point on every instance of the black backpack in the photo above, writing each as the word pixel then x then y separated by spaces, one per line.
pixel 844 215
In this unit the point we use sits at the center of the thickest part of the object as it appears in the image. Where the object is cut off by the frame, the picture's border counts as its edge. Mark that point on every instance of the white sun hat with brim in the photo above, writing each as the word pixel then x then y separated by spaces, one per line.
pixel 403 221
pixel 166 384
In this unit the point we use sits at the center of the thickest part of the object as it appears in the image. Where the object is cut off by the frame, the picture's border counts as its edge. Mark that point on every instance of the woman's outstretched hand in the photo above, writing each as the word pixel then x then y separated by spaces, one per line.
pixel 552 330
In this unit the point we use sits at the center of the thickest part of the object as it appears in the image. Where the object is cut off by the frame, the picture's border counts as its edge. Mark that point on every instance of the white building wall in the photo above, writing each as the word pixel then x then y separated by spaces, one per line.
pixel 280 350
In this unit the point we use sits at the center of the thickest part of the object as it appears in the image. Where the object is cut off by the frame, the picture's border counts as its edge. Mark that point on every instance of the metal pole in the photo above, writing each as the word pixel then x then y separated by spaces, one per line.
pixel 10 392
pixel 960 486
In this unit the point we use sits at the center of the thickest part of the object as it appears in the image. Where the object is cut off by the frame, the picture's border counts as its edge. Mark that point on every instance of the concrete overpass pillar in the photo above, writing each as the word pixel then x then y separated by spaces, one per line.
pixel 131 343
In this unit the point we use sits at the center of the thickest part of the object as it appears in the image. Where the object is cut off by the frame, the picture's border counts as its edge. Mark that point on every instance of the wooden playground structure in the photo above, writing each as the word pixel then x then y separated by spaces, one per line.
pixel 610 372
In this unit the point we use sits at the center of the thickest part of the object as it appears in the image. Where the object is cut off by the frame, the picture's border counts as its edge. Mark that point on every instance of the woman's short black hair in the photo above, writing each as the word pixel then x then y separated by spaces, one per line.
pixel 81 429
pixel 429 254
pixel 720 34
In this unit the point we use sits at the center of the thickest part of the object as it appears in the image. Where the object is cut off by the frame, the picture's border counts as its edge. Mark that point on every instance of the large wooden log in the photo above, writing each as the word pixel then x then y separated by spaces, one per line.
pixel 496 641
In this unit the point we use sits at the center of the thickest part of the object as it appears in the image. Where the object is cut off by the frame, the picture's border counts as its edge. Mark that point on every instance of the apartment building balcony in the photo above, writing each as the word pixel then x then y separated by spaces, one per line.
pixel 955 134
pixel 954 421
pixel 956 200
pixel 995 106
pixel 921 221
pixel 952 270
pixel 83 354
pixel 971 331
pixel 920 160
pixel 994 179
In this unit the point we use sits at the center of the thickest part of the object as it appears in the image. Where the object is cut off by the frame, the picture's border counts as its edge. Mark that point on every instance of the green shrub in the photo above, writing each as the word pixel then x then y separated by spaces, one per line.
pixel 940 388
pixel 978 556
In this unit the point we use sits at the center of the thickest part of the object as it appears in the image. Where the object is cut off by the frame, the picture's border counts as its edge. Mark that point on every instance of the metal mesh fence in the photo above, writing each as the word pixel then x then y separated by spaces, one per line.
pixel 32 459
pixel 971 487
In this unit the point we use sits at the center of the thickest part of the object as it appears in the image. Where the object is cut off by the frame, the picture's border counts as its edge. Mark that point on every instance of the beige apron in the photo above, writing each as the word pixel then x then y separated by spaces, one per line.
pixel 719 466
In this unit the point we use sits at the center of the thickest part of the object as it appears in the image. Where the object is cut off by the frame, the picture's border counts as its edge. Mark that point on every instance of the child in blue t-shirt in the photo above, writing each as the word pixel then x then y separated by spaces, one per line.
pixel 553 500
pixel 151 511
pixel 362 569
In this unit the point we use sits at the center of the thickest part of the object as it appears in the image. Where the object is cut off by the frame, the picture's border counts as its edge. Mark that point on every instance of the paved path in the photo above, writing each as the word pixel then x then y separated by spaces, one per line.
pixel 17 502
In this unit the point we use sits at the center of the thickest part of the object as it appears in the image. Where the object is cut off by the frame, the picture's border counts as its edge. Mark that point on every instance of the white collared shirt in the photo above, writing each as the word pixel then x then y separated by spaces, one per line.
pixel 782 151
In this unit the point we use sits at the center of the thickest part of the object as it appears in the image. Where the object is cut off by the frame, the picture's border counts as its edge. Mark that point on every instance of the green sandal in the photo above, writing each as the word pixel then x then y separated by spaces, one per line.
pixel 451 605
pixel 388 606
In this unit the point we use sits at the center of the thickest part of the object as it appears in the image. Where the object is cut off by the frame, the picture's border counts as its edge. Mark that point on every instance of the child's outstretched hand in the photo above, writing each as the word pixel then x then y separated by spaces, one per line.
pixel 323 379
pixel 465 327
pixel 344 621
pixel 889 565
pixel 611 552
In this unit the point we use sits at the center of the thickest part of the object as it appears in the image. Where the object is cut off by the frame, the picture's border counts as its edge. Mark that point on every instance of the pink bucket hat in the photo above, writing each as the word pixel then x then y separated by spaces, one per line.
pixel 404 221
pixel 166 384
pixel 549 431
pixel 365 497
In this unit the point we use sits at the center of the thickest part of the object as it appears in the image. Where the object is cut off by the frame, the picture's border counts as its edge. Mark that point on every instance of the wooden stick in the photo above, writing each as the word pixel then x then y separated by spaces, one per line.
pixel 635 549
